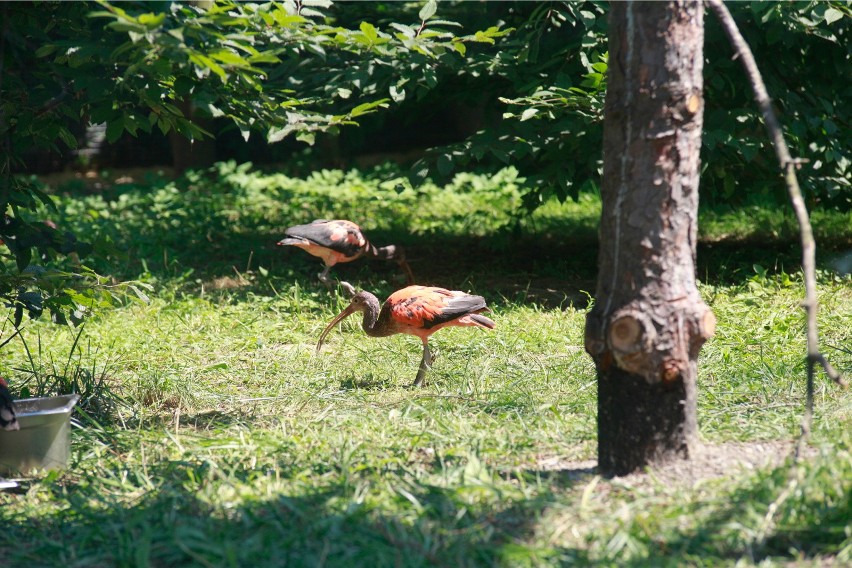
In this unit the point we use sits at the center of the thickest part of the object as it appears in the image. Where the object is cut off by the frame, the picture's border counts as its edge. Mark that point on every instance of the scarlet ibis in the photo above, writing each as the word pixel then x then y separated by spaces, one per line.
pixel 415 310
pixel 340 241
pixel 8 420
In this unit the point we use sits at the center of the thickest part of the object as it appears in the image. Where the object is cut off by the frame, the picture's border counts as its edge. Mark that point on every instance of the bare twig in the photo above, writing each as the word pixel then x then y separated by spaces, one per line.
pixel 788 166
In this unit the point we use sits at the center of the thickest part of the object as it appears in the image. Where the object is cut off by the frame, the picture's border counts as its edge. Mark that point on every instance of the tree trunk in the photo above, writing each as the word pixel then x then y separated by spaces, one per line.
pixel 649 322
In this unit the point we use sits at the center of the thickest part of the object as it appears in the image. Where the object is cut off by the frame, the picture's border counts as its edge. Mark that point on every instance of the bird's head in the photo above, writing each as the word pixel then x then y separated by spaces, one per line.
pixel 360 302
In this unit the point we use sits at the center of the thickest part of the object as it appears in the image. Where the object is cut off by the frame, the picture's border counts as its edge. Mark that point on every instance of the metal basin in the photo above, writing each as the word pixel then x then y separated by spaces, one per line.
pixel 44 440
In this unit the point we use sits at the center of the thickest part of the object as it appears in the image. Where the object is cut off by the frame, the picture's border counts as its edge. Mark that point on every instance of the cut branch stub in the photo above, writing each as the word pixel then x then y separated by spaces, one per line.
pixel 630 336
pixel 656 352
pixel 705 329
pixel 631 332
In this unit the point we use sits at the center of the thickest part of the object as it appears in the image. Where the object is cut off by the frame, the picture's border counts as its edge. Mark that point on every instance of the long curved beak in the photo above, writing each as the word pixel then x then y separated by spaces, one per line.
pixel 337 319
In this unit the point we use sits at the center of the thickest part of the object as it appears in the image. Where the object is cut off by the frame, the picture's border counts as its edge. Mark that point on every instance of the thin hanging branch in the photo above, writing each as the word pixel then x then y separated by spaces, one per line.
pixel 788 166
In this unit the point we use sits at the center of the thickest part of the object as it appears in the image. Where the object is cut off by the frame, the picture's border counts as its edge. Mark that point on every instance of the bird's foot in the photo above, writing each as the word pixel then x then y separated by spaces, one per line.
pixel 425 365
pixel 325 280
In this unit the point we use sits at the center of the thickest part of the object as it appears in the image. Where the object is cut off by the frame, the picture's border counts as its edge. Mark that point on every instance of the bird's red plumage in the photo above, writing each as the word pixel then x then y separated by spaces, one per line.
pixel 415 310
pixel 423 310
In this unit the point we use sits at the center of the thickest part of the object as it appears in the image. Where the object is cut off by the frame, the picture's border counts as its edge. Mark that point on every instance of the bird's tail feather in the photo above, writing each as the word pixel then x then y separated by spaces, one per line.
pixel 290 241
pixel 483 321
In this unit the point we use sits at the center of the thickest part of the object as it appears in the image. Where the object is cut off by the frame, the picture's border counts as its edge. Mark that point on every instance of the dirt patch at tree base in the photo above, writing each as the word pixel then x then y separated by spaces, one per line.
pixel 707 462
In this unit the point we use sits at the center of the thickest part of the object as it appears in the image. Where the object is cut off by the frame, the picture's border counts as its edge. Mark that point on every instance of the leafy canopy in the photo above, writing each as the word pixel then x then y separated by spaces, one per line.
pixel 276 68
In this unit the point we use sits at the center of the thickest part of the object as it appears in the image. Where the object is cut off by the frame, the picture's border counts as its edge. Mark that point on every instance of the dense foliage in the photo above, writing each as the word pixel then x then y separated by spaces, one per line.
pixel 548 80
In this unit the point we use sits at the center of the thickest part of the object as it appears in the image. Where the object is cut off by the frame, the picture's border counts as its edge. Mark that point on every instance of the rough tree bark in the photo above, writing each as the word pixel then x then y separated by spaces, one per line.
pixel 649 322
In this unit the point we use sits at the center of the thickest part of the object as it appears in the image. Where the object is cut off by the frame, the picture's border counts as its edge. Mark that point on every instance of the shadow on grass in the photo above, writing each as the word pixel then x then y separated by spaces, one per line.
pixel 340 519
pixel 543 272
pixel 809 523
pixel 553 275
pixel 351 383
pixel 333 524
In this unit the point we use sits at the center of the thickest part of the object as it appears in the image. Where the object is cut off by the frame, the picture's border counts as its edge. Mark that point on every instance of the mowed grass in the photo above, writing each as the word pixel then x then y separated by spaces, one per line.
pixel 225 440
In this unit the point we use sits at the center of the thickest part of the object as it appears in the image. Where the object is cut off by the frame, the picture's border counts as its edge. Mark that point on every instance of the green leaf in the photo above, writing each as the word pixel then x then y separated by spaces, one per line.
pixel 176 33
pixel 67 137
pixel 45 50
pixel 369 31
pixel 152 21
pixel 528 114
pixel 164 125
pixel 22 258
pixel 407 31
pixel 285 20
pixel 398 95
pixel 229 57
pixel 306 137
pixel 183 85
pixel 445 164
pixel 428 10
pixel 206 63
pixel 832 15
pixel 245 130
pixel 140 294
pixel 265 57
pixel 278 133
pixel 434 23
pixel 130 124
pixel 126 27
pixel 214 111
pixel 311 13
pixel 366 108
pixel 115 128
pixel 482 37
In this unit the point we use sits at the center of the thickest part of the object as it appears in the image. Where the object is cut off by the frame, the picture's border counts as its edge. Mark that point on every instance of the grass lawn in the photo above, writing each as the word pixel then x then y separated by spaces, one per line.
pixel 214 435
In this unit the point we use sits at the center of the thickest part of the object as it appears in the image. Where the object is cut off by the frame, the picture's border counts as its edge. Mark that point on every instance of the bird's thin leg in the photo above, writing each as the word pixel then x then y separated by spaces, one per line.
pixel 348 289
pixel 323 277
pixel 425 365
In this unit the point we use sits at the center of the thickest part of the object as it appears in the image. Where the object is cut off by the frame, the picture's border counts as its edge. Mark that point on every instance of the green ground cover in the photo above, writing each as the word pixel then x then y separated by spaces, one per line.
pixel 214 435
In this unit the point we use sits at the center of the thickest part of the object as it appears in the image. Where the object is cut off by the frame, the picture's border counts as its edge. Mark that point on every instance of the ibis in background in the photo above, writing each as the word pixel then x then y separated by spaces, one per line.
pixel 415 310
pixel 8 420
pixel 340 241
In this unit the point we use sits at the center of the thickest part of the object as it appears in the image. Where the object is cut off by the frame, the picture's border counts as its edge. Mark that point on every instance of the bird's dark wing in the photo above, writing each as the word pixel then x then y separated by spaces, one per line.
pixel 457 307
pixel 342 236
